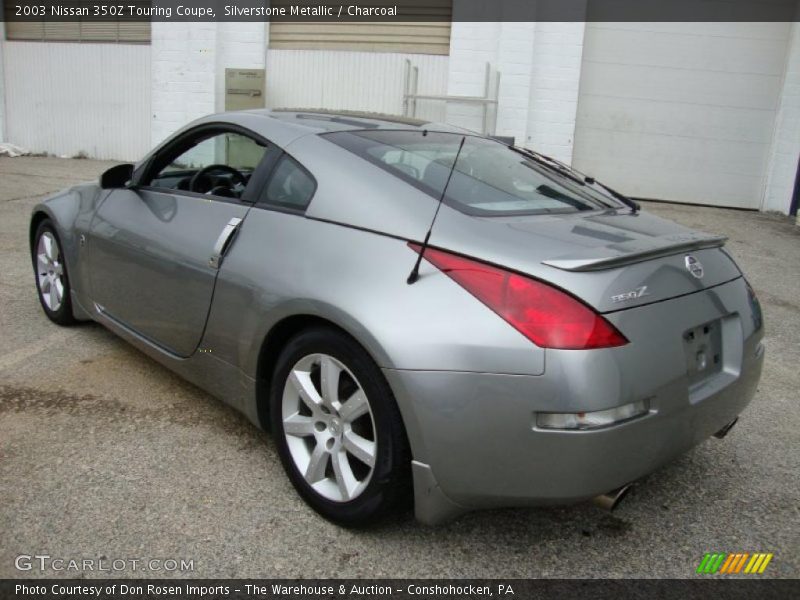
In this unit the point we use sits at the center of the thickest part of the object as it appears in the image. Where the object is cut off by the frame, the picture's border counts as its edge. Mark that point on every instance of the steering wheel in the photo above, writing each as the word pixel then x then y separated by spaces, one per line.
pixel 204 174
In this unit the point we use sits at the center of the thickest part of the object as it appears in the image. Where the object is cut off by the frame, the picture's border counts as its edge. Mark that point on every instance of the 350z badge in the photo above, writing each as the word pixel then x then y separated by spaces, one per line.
pixel 632 295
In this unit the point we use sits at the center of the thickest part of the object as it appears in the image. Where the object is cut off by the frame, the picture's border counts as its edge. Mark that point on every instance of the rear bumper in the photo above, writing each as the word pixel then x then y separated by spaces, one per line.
pixel 476 443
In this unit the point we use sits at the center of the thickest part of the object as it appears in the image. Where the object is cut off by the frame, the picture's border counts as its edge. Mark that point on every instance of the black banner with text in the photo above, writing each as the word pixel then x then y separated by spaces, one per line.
pixel 403 10
pixel 408 589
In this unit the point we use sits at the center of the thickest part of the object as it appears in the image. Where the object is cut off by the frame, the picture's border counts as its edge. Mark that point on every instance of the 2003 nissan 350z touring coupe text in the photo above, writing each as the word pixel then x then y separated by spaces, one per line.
pixel 416 311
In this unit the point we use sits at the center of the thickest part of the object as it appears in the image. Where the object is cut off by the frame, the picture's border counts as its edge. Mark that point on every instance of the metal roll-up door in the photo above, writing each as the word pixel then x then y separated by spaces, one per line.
pixel 683 112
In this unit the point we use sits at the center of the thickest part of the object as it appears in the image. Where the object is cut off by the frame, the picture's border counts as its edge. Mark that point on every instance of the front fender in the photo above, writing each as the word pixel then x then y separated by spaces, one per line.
pixel 71 212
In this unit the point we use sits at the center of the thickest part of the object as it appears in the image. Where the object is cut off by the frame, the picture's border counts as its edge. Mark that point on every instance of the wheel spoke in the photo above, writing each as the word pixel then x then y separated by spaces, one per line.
pixel 53 295
pixel 46 284
pixel 49 247
pixel 301 380
pixel 59 288
pixel 345 479
pixel 355 407
pixel 360 447
pixel 42 261
pixel 329 381
pixel 298 425
pixel 316 465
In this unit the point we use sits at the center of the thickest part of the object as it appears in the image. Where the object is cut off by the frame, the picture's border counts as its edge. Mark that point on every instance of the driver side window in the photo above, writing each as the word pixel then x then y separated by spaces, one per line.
pixel 220 164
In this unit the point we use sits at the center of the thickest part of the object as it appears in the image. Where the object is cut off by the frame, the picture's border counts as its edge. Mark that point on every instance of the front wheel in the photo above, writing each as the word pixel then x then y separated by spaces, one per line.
pixel 52 279
pixel 338 429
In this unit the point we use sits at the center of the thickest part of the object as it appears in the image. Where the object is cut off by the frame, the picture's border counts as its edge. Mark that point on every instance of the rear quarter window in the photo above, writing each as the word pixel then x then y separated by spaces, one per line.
pixel 290 186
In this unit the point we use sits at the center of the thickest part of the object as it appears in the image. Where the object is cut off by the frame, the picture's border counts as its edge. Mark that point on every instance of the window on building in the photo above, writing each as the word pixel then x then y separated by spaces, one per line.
pixel 414 37
pixel 118 31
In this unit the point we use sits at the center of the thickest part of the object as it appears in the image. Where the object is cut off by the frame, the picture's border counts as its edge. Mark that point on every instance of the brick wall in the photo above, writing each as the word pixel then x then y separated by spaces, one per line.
pixel 539 65
pixel 188 68
pixel 555 78
pixel 472 45
pixel 239 45
pixel 515 62
pixel 183 70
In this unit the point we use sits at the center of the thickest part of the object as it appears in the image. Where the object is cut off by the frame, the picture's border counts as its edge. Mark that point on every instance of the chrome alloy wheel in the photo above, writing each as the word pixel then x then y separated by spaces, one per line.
pixel 50 271
pixel 329 427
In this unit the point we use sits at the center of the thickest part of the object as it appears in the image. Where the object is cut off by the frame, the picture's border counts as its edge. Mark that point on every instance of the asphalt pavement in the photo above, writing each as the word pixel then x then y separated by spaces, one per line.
pixel 104 454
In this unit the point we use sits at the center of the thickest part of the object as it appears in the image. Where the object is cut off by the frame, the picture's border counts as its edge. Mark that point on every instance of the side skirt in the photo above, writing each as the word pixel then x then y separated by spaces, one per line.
pixel 213 375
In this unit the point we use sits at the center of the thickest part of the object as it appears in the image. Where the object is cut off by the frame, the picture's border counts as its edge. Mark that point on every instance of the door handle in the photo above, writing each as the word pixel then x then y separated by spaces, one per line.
pixel 223 241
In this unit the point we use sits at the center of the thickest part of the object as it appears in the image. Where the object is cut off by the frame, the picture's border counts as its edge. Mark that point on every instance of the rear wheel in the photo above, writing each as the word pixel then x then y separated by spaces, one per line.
pixel 337 428
pixel 52 279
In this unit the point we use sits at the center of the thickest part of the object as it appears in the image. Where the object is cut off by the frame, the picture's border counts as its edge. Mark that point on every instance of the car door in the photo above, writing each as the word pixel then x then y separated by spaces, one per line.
pixel 155 248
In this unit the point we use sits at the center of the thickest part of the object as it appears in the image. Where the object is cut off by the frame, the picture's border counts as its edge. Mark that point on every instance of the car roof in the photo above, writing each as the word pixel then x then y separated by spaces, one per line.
pixel 284 126
pixel 317 120
pixel 339 120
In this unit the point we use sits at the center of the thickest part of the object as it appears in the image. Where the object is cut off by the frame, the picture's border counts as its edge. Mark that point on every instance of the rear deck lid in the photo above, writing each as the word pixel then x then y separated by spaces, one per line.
pixel 612 259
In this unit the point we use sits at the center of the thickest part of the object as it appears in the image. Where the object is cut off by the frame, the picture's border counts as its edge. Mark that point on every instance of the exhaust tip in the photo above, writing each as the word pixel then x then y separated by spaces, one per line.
pixel 725 430
pixel 610 500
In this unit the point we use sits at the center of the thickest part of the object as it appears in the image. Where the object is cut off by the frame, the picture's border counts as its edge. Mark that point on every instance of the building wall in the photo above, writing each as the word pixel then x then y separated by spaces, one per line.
pixel 681 112
pixel 515 63
pixel 782 167
pixel 472 46
pixel 184 65
pixel 365 81
pixel 189 62
pixel 70 99
pixel 2 85
pixel 539 69
pixel 555 79
pixel 239 45
pixel 117 101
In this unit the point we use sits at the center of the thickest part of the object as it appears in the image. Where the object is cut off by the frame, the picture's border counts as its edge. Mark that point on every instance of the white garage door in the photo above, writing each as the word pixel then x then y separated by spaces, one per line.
pixel 680 111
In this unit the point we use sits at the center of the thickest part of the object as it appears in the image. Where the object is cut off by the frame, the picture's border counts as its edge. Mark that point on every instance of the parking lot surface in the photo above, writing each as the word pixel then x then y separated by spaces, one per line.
pixel 105 454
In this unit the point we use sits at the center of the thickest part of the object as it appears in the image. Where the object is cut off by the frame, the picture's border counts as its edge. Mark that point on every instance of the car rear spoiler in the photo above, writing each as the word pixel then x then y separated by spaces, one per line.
pixel 636 251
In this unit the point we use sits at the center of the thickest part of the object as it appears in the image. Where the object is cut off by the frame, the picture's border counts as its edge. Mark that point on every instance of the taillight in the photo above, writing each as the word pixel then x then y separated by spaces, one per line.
pixel 755 306
pixel 545 315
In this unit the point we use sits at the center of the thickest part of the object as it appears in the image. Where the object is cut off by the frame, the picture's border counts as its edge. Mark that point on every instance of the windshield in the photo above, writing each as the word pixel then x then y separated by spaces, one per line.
pixel 489 178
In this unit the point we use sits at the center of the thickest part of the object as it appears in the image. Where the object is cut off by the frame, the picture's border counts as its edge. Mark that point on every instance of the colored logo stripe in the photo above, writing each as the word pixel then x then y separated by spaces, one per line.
pixel 727 564
pixel 711 563
pixel 758 563
pixel 724 563
pixel 736 563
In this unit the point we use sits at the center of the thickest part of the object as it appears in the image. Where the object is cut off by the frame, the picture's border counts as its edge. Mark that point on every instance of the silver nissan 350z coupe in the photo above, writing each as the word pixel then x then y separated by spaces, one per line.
pixel 410 306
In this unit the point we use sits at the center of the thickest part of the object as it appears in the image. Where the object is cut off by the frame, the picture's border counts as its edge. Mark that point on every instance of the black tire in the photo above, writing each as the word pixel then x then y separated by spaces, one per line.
pixel 388 487
pixel 63 314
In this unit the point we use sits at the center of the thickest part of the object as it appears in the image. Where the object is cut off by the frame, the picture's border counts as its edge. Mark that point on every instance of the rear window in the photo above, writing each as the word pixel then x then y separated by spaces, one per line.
pixel 489 178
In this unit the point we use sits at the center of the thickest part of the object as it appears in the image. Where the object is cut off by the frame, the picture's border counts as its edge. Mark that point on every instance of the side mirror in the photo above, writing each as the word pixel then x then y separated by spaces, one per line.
pixel 116 177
